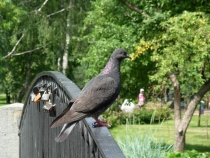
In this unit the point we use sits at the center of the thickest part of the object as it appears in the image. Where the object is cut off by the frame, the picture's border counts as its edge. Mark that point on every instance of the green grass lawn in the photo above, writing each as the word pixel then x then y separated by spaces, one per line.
pixel 2 99
pixel 197 138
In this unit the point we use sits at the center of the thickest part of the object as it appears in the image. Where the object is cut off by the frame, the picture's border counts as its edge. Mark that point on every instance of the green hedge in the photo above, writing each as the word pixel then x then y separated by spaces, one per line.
pixel 115 116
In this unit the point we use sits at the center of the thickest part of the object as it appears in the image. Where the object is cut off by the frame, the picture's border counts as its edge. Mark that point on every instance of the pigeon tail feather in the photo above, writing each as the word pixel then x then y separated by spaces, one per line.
pixel 65 131
pixel 68 117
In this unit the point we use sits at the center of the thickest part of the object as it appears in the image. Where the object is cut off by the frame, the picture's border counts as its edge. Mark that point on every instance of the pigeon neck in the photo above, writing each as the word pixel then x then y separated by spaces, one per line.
pixel 113 65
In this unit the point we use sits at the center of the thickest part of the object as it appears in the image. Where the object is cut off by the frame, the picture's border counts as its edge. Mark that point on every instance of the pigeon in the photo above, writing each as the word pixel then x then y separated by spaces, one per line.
pixel 96 97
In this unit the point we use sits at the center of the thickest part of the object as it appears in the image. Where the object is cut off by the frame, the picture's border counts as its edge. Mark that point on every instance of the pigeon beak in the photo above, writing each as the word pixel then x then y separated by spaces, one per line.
pixel 127 56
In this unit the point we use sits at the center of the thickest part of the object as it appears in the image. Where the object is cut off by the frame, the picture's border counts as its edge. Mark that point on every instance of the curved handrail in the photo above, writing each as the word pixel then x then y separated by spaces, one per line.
pixel 90 142
pixel 69 87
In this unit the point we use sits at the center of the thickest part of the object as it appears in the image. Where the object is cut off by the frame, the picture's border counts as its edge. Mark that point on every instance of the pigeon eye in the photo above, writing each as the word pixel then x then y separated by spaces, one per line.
pixel 123 53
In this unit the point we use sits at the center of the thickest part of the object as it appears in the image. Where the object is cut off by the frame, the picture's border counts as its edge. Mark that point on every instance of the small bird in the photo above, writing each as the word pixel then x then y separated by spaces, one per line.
pixel 96 96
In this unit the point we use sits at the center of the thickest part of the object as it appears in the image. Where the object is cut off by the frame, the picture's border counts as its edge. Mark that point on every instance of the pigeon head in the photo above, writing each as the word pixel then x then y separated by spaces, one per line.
pixel 120 54
pixel 113 65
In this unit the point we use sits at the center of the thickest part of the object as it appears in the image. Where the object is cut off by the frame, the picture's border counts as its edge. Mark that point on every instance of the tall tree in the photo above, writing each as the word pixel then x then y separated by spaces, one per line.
pixel 10 16
pixel 182 57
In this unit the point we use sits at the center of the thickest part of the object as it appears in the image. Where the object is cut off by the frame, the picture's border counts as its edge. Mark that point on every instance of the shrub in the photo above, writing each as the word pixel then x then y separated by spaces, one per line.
pixel 143 144
pixel 115 116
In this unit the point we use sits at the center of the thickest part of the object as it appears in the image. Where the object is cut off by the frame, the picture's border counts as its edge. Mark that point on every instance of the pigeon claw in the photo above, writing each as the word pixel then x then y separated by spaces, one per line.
pixel 99 123
pixel 96 124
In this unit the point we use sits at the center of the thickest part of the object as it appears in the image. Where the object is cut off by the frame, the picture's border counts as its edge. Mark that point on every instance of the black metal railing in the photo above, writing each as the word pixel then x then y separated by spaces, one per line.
pixel 37 139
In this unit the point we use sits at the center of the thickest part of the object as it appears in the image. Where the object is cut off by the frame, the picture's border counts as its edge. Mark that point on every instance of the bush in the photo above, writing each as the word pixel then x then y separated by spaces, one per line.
pixel 114 116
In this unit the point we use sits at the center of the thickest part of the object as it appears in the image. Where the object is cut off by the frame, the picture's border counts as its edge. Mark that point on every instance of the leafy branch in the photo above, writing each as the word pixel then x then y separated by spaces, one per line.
pixel 45 2
pixel 62 10
pixel 134 8
pixel 29 51
pixel 14 48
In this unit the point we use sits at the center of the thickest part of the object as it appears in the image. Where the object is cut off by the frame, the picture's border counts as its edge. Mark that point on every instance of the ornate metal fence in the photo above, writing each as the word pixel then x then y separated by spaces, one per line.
pixel 37 139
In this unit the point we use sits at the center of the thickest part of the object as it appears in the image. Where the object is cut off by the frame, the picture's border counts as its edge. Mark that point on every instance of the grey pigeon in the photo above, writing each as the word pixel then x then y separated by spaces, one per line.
pixel 96 96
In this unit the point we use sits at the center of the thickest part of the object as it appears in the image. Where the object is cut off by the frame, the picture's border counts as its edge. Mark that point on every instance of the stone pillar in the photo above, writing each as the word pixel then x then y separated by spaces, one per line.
pixel 9 139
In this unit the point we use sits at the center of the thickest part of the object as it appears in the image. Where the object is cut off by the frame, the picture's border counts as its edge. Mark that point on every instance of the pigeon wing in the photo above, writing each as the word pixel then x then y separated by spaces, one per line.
pixel 98 93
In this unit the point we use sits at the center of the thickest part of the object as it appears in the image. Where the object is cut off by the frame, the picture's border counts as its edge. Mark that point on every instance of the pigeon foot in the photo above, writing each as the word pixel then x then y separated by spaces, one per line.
pixel 99 123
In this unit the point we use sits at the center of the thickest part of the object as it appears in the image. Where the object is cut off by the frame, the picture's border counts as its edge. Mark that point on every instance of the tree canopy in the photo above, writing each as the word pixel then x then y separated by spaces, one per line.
pixel 34 40
pixel 183 49
pixel 148 30
pixel 36 32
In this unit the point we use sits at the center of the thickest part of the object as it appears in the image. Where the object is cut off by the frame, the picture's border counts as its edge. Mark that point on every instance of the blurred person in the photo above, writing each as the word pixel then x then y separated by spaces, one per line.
pixel 141 98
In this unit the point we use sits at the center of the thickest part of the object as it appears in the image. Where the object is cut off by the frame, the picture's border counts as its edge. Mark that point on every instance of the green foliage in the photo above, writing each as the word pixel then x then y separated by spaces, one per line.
pixel 114 116
pixel 108 25
pixel 181 52
pixel 111 24
pixel 186 154
pixel 44 31
pixel 9 15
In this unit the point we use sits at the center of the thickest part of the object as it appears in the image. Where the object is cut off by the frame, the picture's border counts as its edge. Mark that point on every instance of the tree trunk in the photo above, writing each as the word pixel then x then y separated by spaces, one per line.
pixel 7 97
pixel 179 134
pixel 66 50
pixel 181 125
pixel 59 64
pixel 179 144
pixel 14 98
pixel 26 85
